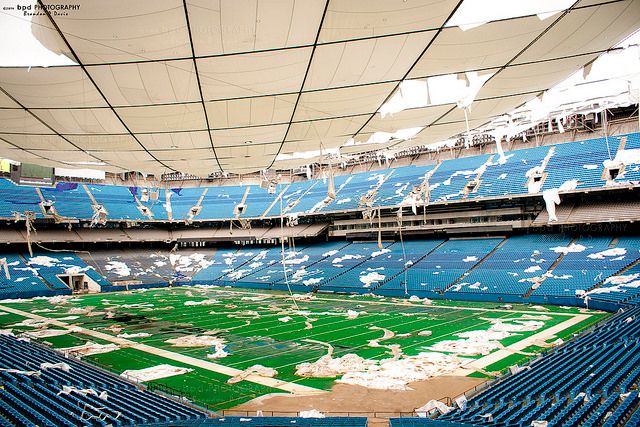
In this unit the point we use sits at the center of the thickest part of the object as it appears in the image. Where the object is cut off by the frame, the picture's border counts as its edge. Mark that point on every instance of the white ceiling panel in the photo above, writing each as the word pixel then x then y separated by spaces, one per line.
pixel 415 117
pixel 220 27
pixel 351 19
pixel 20 155
pixel 6 102
pixel 487 109
pixel 319 130
pixel 300 146
pixel 342 102
pixel 170 76
pixel 36 142
pixel 71 156
pixel 531 77
pixel 55 87
pixel 82 121
pixel 147 83
pixel 105 143
pixel 253 74
pixel 244 112
pixel 183 154
pixel 239 154
pixel 164 118
pixel 487 46
pixel 202 167
pixel 248 136
pixel 21 121
pixel 123 30
pixel 365 61
pixel 586 30
pixel 176 140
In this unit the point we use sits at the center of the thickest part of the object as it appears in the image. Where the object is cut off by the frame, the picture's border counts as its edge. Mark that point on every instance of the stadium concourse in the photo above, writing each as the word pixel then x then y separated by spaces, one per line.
pixel 320 213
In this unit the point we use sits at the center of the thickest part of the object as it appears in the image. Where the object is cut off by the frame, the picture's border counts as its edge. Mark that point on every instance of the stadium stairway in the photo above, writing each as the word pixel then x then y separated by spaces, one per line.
pixel 268 206
pixel 620 272
pixel 330 283
pixel 549 270
pixel 407 267
pixel 476 265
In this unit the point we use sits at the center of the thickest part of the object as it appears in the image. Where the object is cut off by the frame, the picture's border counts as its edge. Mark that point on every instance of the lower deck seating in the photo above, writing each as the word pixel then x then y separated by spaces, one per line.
pixel 23 280
pixel 357 268
pixel 591 381
pixel 448 263
pixel 511 267
pixel 534 268
pixel 150 267
pixel 300 267
pixel 591 261
pixel 50 265
pixel 79 395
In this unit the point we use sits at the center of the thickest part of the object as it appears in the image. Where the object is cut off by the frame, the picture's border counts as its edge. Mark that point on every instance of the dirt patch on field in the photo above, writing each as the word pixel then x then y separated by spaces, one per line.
pixel 350 398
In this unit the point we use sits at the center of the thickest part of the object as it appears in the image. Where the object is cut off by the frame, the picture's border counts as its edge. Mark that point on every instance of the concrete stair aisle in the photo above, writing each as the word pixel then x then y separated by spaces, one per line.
pixel 388 279
pixel 465 274
pixel 549 270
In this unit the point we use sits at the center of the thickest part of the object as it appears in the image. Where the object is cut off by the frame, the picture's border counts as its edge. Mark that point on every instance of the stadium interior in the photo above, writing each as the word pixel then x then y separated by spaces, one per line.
pixel 320 213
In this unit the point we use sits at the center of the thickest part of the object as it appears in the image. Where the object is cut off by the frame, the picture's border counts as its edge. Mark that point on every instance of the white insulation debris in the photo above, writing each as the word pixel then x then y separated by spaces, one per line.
pixel 154 373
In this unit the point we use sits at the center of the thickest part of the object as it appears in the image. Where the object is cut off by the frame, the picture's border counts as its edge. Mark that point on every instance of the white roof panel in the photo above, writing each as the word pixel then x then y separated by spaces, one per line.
pixel 196 85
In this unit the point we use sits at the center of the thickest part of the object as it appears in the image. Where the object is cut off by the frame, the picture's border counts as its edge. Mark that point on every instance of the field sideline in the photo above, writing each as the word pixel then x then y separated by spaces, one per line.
pixel 269 329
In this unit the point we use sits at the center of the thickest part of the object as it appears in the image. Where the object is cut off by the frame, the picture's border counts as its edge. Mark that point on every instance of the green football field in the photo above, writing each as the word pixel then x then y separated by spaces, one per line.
pixel 269 329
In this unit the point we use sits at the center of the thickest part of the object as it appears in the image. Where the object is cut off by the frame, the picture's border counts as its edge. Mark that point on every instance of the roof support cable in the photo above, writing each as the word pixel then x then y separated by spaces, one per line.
pixel 605 129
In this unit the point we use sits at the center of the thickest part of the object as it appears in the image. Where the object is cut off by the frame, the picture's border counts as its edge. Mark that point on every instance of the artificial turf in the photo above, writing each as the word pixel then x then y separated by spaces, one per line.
pixel 267 338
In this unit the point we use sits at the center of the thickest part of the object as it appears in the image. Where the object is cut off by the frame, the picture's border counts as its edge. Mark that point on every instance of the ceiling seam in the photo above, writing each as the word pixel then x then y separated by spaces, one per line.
pixel 429 44
pixel 304 79
pixel 355 39
pixel 77 59
pixel 55 132
pixel 26 150
pixel 508 64
pixel 168 104
pixel 319 119
pixel 195 66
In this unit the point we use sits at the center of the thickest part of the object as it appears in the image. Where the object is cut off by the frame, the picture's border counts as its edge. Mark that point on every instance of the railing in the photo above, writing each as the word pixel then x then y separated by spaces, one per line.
pixel 182 396
pixel 268 413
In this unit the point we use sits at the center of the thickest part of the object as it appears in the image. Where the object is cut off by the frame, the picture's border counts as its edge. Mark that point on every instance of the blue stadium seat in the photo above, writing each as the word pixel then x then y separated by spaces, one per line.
pixel 36 400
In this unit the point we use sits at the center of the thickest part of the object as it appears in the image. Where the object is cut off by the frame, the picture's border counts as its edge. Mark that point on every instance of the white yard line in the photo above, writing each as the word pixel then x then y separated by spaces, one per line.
pixel 483 362
pixel 404 303
pixel 214 367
